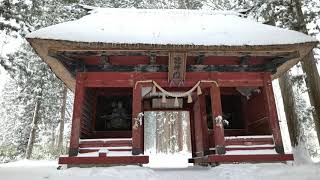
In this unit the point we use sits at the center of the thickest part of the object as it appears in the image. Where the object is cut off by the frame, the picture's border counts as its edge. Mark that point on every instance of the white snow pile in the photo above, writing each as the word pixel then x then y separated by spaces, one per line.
pixel 169 27
pixel 26 170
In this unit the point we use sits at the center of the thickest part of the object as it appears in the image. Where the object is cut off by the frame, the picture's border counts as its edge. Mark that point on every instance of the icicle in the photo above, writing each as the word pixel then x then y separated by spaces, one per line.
pixel 176 102
pixel 199 92
pixel 164 100
pixel 154 90
pixel 189 98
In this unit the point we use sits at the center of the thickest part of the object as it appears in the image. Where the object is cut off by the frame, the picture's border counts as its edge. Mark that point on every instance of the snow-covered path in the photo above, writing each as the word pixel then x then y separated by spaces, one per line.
pixel 35 170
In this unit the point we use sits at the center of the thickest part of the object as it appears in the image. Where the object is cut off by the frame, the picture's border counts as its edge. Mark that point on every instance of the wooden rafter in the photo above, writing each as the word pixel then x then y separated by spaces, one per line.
pixel 199 54
pixel 71 62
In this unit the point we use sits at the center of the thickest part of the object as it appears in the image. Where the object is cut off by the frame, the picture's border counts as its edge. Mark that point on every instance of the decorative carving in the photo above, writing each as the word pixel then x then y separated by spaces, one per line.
pixel 138 120
pixel 219 121
pixel 247 91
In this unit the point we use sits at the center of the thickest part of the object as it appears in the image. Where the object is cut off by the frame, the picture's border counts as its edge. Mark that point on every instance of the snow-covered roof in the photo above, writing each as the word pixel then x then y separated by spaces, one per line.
pixel 169 27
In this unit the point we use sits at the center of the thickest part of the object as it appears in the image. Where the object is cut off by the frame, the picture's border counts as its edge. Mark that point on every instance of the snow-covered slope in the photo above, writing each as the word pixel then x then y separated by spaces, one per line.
pixel 175 27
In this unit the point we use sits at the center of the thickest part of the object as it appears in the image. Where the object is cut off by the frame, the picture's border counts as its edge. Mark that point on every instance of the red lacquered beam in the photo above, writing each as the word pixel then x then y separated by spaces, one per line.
pixel 105 160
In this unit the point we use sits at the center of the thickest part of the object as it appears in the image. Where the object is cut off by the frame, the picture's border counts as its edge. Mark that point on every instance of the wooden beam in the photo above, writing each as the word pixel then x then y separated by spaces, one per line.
pixel 276 61
pixel 244 158
pixel 227 68
pixel 104 160
pixel 111 134
pixel 217 119
pixel 137 123
pixel 67 63
pixel 88 150
pixel 164 68
pixel 127 79
pixel 71 62
pixel 105 143
pixel 252 148
pixel 272 112
pixel 270 66
pixel 77 112
pixel 127 68
pixel 73 53
pixel 242 141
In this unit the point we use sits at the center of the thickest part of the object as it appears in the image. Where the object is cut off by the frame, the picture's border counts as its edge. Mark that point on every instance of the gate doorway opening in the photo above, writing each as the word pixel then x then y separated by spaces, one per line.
pixel 167 136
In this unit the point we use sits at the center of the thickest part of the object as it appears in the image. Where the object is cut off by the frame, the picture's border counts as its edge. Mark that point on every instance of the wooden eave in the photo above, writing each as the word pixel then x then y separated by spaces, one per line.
pixel 44 46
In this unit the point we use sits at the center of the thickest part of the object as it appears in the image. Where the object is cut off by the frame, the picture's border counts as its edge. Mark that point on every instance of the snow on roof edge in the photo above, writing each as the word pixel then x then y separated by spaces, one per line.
pixel 313 43
pixel 172 27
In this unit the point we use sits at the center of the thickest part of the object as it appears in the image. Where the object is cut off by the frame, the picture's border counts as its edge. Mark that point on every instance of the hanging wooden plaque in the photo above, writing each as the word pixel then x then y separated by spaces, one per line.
pixel 177 67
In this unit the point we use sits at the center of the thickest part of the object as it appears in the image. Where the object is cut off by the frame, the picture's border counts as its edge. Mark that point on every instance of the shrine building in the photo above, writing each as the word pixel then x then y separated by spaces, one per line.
pixel 170 81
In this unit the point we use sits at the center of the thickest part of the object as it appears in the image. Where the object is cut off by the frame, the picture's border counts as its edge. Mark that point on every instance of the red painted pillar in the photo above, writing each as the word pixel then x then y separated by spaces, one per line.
pixel 94 113
pixel 217 119
pixel 192 132
pixel 76 118
pixel 137 123
pixel 205 133
pixel 198 128
pixel 244 112
pixel 272 112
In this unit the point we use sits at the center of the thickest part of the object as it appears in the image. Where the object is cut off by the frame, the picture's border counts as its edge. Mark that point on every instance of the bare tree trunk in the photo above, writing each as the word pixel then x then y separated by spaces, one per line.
pixel 290 108
pixel 53 137
pixel 313 84
pixel 309 66
pixel 33 130
pixel 62 118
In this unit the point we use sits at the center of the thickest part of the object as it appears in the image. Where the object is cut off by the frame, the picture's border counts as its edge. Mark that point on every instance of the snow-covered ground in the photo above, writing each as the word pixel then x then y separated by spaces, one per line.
pixel 34 170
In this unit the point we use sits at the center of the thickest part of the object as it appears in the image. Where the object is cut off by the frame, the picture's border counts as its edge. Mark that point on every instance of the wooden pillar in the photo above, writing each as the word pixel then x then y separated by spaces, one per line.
pixel 198 128
pixel 94 113
pixel 205 133
pixel 137 122
pixel 76 118
pixel 217 119
pixel 272 112
pixel 192 132
pixel 244 112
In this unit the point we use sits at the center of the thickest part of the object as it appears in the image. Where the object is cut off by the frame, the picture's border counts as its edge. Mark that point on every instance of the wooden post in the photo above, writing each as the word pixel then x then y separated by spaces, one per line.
pixel 244 112
pixel 198 128
pixel 205 133
pixel 77 112
pixel 94 109
pixel 272 112
pixel 192 132
pixel 217 119
pixel 137 121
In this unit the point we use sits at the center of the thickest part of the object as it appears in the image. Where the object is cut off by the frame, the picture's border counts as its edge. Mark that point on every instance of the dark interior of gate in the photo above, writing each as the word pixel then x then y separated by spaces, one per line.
pixel 107 112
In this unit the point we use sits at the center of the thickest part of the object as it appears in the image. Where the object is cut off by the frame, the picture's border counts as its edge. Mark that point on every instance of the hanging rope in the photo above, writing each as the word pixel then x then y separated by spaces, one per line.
pixel 179 94
pixel 176 95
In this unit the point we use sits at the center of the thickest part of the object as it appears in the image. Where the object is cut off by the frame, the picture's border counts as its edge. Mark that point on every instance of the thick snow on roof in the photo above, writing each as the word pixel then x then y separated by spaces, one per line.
pixel 173 27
